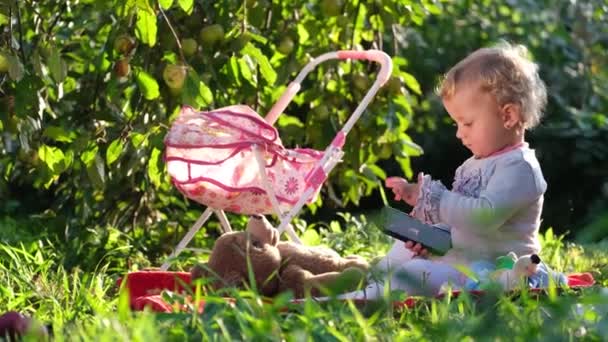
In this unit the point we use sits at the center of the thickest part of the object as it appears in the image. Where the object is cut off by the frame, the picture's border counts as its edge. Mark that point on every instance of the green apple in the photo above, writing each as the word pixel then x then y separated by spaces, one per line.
pixel 12 124
pixel 29 158
pixel 189 46
pixel 386 151
pixel 343 21
pixel 206 77
pixel 5 62
pixel 394 85
pixel 193 22
pixel 45 50
pixel 122 68
pixel 285 46
pixel 211 34
pixel 238 43
pixel 335 100
pixel 175 76
pixel 360 81
pixel 124 44
pixel 331 8
pixel 321 111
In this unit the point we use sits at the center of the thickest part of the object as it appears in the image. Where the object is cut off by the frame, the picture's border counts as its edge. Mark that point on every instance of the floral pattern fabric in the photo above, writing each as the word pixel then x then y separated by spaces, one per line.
pixel 466 182
pixel 211 158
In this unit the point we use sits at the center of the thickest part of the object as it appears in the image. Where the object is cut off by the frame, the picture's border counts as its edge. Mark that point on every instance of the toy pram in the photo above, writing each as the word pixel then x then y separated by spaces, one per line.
pixel 232 159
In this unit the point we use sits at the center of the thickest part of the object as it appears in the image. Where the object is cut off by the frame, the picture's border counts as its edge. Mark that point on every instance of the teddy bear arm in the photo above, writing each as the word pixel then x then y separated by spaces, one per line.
pixel 355 261
pixel 322 280
pixel 299 280
pixel 292 277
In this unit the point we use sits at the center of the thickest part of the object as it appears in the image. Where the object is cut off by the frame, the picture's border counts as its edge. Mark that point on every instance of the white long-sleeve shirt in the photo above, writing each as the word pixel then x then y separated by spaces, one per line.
pixel 494 206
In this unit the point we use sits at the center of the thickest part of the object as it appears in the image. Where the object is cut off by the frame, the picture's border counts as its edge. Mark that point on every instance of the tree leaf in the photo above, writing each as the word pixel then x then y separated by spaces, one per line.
pixel 88 156
pixel 148 85
pixel 97 172
pixel 406 166
pixel 68 159
pixel 186 5
pixel 265 68
pixel 165 4
pixel 376 170
pixel 124 7
pixel 15 70
pixel 137 139
pixel 288 120
pixel 57 65
pixel 205 93
pixel 246 68
pixel 145 27
pixel 408 147
pixel 411 82
pixel 195 92
pixel 52 157
pixel 368 173
pixel 311 238
pixel 232 69
pixel 302 33
pixel 58 133
pixel 153 170
pixel 114 151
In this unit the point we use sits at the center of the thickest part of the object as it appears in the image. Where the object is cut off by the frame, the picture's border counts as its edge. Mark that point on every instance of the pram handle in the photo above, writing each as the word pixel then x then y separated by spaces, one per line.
pixel 377 56
pixel 371 55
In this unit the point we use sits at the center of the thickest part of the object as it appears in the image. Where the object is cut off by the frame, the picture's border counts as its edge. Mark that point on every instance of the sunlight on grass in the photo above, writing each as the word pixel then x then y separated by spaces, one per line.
pixel 87 305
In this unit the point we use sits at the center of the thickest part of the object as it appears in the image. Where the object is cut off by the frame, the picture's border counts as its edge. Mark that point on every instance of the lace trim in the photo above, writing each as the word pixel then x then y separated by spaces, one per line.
pixel 429 198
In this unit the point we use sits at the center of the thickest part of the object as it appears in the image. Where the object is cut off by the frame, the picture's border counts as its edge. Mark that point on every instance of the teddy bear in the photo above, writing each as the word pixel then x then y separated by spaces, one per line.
pixel 277 266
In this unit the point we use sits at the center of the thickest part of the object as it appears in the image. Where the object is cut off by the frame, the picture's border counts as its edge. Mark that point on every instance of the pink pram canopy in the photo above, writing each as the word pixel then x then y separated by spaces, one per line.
pixel 211 159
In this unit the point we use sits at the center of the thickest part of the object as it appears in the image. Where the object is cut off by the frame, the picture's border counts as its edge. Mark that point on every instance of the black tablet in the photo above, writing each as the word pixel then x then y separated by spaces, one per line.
pixel 406 228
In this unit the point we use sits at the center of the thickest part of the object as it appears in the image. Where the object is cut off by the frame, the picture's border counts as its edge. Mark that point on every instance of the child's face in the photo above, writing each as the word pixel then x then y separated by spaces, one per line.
pixel 482 123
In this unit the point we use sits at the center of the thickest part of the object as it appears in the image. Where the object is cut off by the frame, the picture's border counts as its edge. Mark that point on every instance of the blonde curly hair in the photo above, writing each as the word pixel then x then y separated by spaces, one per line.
pixel 506 72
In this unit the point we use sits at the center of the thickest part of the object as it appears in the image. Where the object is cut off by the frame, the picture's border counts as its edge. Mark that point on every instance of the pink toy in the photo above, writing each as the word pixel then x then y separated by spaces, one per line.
pixel 232 159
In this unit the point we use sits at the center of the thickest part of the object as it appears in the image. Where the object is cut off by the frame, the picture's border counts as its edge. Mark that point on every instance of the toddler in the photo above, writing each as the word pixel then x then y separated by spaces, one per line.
pixel 495 203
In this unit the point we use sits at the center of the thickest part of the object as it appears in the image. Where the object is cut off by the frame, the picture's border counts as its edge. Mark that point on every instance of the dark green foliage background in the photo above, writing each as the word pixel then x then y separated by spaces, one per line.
pixel 81 148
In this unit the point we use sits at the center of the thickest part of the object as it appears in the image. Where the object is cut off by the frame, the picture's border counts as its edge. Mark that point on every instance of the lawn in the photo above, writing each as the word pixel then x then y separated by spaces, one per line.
pixel 79 305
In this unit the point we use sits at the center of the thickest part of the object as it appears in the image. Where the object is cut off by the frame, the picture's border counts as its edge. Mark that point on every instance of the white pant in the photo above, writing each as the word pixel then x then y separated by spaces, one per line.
pixel 415 276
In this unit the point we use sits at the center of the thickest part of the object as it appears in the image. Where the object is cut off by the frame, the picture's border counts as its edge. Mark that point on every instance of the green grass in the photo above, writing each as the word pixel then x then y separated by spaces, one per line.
pixel 88 306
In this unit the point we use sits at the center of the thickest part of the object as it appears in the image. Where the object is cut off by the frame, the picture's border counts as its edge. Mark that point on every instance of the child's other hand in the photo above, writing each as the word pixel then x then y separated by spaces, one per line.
pixel 417 249
pixel 404 190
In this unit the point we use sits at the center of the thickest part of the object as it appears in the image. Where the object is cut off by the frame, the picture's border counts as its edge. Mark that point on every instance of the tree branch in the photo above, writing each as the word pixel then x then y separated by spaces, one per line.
pixel 47 32
pixel 177 40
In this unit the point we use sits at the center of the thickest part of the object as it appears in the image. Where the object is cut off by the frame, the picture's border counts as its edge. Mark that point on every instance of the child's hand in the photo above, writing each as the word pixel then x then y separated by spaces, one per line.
pixel 404 190
pixel 417 249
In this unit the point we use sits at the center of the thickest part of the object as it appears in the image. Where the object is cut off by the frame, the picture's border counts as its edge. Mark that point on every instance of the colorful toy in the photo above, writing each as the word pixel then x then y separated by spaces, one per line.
pixel 516 277
pixel 511 272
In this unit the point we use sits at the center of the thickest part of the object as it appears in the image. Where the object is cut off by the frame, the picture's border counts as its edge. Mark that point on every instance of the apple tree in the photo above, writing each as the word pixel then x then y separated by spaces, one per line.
pixel 89 88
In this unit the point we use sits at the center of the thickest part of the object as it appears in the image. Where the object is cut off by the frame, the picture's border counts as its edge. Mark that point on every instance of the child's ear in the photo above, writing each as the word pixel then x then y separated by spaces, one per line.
pixel 511 115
